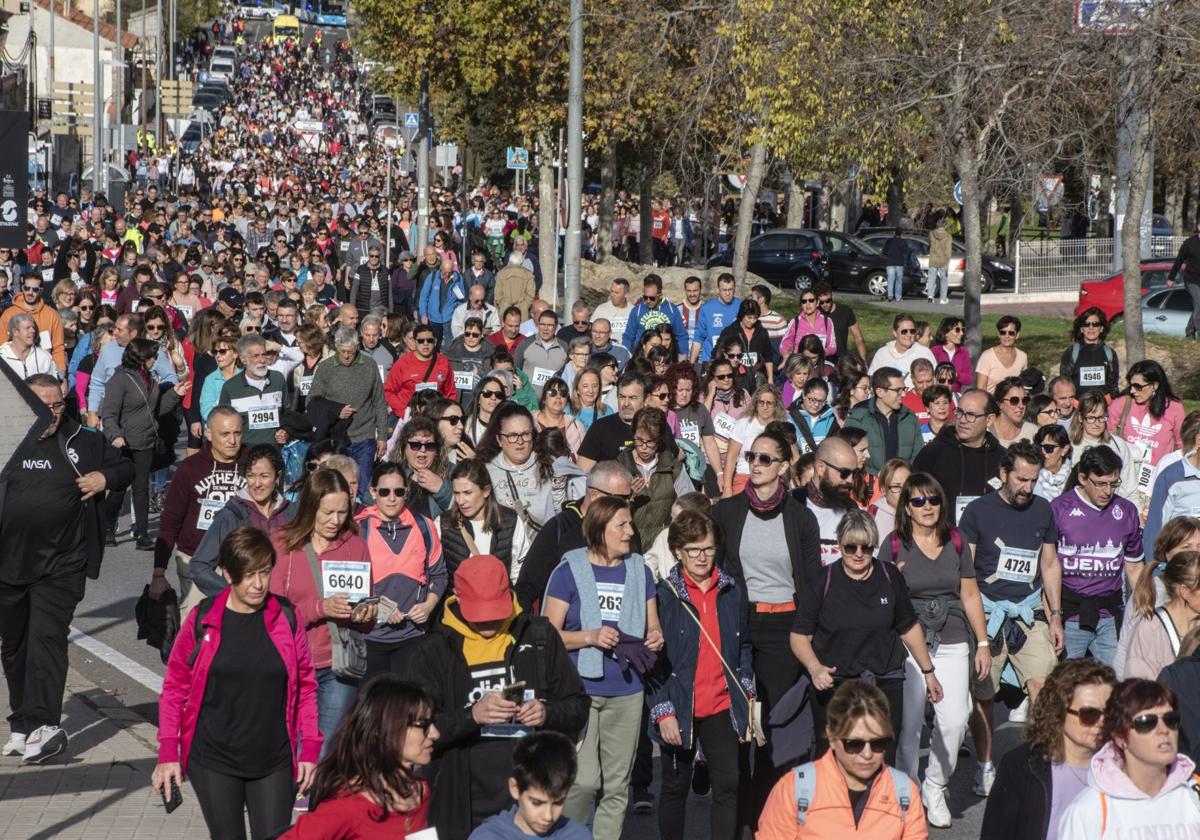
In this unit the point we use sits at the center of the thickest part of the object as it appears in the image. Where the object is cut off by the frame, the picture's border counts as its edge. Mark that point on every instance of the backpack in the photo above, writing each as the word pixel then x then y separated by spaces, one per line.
pixel 806 788
pixel 204 606
pixel 1109 355
pixel 955 539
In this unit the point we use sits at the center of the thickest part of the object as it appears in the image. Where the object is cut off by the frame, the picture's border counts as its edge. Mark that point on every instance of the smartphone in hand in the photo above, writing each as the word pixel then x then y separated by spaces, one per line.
pixel 176 797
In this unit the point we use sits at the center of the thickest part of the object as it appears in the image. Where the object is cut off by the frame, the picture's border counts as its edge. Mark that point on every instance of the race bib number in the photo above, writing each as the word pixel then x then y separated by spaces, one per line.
pixel 611 596
pixel 618 325
pixel 960 505
pixel 185 311
pixel 47 276
pixel 305 385
pixel 464 380
pixel 1145 476
pixel 208 512
pixel 1092 376
pixel 690 432
pixel 346 577
pixel 263 416
pixel 749 359
pixel 1018 565
pixel 723 424
pixel 44 340
pixel 541 376
pixel 425 386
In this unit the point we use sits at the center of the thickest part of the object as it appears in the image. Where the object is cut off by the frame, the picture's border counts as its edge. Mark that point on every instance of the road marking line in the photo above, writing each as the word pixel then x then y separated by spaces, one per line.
pixel 112 656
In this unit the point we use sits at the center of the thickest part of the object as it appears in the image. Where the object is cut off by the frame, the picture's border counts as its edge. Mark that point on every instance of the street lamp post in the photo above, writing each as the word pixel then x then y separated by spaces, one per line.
pixel 573 246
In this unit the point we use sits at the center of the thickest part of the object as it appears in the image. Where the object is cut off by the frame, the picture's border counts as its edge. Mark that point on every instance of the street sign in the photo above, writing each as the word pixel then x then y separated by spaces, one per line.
pixel 517 157
pixel 446 155
pixel 1047 190
pixel 412 119
pixel 1110 15
pixel 958 192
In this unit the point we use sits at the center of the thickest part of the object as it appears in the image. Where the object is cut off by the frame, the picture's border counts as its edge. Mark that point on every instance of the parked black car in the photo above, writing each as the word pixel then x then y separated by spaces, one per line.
pixel 995 273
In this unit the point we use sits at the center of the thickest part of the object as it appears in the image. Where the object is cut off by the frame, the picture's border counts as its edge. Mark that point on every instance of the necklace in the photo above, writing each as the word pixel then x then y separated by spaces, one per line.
pixel 1081 779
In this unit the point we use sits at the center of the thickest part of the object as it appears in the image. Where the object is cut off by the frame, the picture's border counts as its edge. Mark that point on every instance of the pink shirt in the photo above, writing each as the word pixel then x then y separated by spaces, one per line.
pixel 1157 436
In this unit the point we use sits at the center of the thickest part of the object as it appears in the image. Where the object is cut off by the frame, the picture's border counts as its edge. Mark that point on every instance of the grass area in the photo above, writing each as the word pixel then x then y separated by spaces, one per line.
pixel 1044 340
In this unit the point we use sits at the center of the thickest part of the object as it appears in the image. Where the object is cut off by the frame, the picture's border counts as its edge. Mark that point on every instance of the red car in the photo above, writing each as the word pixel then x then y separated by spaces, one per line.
pixel 1109 293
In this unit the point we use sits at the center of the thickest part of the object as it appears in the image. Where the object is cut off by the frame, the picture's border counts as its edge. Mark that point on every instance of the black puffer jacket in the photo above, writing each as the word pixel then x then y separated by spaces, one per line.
pixel 454 545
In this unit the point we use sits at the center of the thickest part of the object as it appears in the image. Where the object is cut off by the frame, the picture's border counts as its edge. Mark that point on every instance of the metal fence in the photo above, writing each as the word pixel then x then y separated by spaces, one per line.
pixel 1060 265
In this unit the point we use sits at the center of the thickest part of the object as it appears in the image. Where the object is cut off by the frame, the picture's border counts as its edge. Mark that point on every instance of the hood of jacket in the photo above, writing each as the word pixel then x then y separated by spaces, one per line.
pixel 1108 775
pixel 949 437
pixel 35 309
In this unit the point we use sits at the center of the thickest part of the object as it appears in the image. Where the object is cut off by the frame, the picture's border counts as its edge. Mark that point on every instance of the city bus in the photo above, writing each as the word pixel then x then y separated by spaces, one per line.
pixel 329 12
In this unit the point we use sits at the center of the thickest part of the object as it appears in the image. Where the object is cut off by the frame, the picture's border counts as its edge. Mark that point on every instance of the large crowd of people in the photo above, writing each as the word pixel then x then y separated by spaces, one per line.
pixel 444 561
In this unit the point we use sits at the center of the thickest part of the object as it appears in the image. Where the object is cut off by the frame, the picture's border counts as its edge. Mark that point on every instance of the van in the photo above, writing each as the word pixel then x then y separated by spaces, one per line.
pixel 220 68
pixel 286 26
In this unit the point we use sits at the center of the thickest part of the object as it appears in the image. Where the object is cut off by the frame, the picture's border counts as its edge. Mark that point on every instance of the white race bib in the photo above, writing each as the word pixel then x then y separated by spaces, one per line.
pixel 351 578
pixel 723 424
pixel 618 325
pixel 208 511
pixel 263 416
pixel 1019 565
pixel 305 385
pixel 960 505
pixel 185 311
pixel 1092 376
pixel 689 431
pixel 464 380
pixel 749 359
pixel 44 340
pixel 541 376
pixel 611 596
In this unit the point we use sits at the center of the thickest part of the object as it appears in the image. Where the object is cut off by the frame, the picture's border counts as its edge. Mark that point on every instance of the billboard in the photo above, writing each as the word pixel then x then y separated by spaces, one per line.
pixel 14 177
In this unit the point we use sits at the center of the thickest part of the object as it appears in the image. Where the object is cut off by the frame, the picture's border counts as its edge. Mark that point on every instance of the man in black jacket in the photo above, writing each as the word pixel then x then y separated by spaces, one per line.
pixel 52 527
pixel 965 457
pixel 1189 260
pixel 496 674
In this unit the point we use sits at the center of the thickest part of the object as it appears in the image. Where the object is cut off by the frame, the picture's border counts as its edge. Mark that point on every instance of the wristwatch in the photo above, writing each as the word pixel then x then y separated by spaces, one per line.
pixel 930 671
pixel 1056 612
pixel 983 644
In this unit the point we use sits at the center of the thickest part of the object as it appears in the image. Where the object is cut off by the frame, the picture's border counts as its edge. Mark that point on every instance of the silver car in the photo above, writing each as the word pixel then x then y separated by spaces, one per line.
pixel 1166 311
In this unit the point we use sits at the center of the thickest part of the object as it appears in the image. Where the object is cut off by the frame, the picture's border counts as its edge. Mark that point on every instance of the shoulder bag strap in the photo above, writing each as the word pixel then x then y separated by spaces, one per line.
pixel 711 643
pixel 519 505
pixel 1125 409
pixel 316 573
pixel 1169 626
pixel 429 370
pixel 474 549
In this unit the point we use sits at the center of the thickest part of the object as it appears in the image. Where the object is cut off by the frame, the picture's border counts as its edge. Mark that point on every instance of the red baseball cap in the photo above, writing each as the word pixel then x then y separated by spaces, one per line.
pixel 481 583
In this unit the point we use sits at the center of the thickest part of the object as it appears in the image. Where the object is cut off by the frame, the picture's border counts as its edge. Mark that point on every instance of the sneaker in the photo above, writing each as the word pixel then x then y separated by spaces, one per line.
pixel 1021 713
pixel 15 744
pixel 985 776
pixel 643 801
pixel 301 804
pixel 110 537
pixel 936 809
pixel 701 785
pixel 145 542
pixel 943 301
pixel 44 743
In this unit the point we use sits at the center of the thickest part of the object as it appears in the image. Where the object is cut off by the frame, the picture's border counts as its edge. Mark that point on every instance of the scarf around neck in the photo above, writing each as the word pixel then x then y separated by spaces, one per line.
pixel 765 505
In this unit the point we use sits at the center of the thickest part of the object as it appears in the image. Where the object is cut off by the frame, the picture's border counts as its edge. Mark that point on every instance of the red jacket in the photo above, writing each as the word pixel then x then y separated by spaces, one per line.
pixel 293 579
pixel 183 686
pixel 408 372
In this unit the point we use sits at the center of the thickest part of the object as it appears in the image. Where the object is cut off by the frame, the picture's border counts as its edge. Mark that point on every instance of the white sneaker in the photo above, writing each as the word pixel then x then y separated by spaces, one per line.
pixel 984 778
pixel 936 809
pixel 44 743
pixel 1021 713
pixel 15 744
pixel 944 301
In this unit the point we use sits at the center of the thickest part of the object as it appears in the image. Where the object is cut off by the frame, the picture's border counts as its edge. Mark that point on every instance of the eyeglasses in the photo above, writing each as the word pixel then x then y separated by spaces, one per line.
pixel 734 356
pixel 556 392
pixel 921 501
pixel 86 307
pixel 56 406
pixel 708 551
pixel 376 256
pixel 1096 418
pixel 1145 724
pixel 623 496
pixel 808 300
pixel 492 395
pixel 763 459
pixel 1008 332
pixel 643 443
pixel 969 416
pixel 856 745
pixel 825 301
pixel 843 472
pixel 424 341
pixel 661 395
pixel 423 724
pixel 221 351
pixel 515 437
pixel 1092 325
pixel 1049 448
pixel 452 419
pixel 1088 715
pixel 717 377
pixel 955 329
pixel 1051 410
pixel 899 389
pixel 582 323
pixel 945 380
pixel 856 550
pixel 1017 400
pixel 386 492
pixel 1105 485
pixel 31 288
pixel 423 445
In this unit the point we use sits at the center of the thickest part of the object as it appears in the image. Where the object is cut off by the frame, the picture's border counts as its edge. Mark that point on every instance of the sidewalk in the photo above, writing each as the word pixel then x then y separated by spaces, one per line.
pixel 100 787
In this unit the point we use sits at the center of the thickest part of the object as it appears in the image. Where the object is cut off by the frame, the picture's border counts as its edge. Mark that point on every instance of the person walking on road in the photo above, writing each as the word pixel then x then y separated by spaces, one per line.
pixel 1188 259
pixel 52 528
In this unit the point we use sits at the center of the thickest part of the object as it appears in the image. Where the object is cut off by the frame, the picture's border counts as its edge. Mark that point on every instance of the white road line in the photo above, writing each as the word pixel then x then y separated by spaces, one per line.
pixel 118 660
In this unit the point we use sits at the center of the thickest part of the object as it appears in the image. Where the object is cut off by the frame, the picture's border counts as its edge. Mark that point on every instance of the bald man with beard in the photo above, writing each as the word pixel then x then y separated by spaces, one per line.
pixel 827 494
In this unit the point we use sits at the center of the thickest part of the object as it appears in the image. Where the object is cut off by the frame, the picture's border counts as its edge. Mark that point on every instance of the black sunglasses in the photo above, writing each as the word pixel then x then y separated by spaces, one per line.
pixel 763 459
pixel 386 492
pixel 495 395
pixel 856 745
pixel 1145 724
pixel 921 501
pixel 1088 715
pixel 453 419
pixel 423 445
pixel 424 341
pixel 843 472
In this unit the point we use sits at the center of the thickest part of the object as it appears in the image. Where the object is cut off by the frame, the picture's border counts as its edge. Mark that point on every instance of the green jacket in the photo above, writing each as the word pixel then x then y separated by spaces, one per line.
pixel 524 394
pixel 908 431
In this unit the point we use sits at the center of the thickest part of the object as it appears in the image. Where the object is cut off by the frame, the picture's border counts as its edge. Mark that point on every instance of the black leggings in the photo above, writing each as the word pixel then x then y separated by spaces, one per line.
pixel 393 657
pixel 728 766
pixel 142 460
pixel 225 799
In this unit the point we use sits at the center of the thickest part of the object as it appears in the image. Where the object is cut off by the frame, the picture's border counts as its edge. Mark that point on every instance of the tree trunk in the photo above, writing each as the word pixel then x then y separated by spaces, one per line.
pixel 547 223
pixel 795 212
pixel 745 219
pixel 895 195
pixel 1137 92
pixel 608 195
pixel 645 221
pixel 1173 201
pixel 968 173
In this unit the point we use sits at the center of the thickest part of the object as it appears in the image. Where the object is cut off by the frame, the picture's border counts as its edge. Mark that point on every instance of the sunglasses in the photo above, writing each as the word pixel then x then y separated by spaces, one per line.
pixel 1049 448
pixel 1145 724
pixel 31 288
pixel 556 392
pixel 661 395
pixel 717 377
pixel 908 331
pixel 221 351
pixel 843 472
pixel 624 496
pixel 763 459
pixel 424 341
pixel 1017 400
pixel 155 327
pixel 856 745
pixel 83 308
pixel 921 501
pixel 1088 715
pixel 1139 386
pixel 854 550
pixel 423 445
pixel 736 356
pixel 945 380
pixel 581 323
pixel 1092 325
pixel 492 395
pixel 386 492
pixel 825 301
pixel 1008 332
pixel 421 723
pixel 650 298
pixel 808 300
pixel 252 329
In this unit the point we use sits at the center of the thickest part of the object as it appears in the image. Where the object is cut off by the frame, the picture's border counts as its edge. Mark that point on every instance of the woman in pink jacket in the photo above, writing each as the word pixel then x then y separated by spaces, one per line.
pixel 324 528
pixel 238 710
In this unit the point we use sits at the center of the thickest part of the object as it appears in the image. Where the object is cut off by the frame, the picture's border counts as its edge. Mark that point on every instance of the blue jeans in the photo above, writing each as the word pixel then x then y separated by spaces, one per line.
pixel 1102 642
pixel 363 454
pixel 935 277
pixel 895 289
pixel 334 697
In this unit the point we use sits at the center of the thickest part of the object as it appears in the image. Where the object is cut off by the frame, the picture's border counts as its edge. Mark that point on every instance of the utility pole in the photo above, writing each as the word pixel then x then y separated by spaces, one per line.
pixel 171 42
pixel 423 130
pixel 50 65
pixel 159 131
pixel 573 245
pixel 98 165
pixel 119 77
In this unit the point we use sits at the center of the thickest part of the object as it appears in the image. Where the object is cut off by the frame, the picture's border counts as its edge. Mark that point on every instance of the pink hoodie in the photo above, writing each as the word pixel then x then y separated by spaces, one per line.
pixel 183 687
pixel 1112 806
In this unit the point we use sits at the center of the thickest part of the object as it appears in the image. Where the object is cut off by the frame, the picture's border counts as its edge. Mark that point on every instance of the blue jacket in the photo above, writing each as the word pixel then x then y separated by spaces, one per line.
pixel 821 426
pixel 642 316
pixel 1176 493
pixel 106 364
pixel 431 306
pixel 714 317
pixel 503 827
pixel 671 687
pixel 82 348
